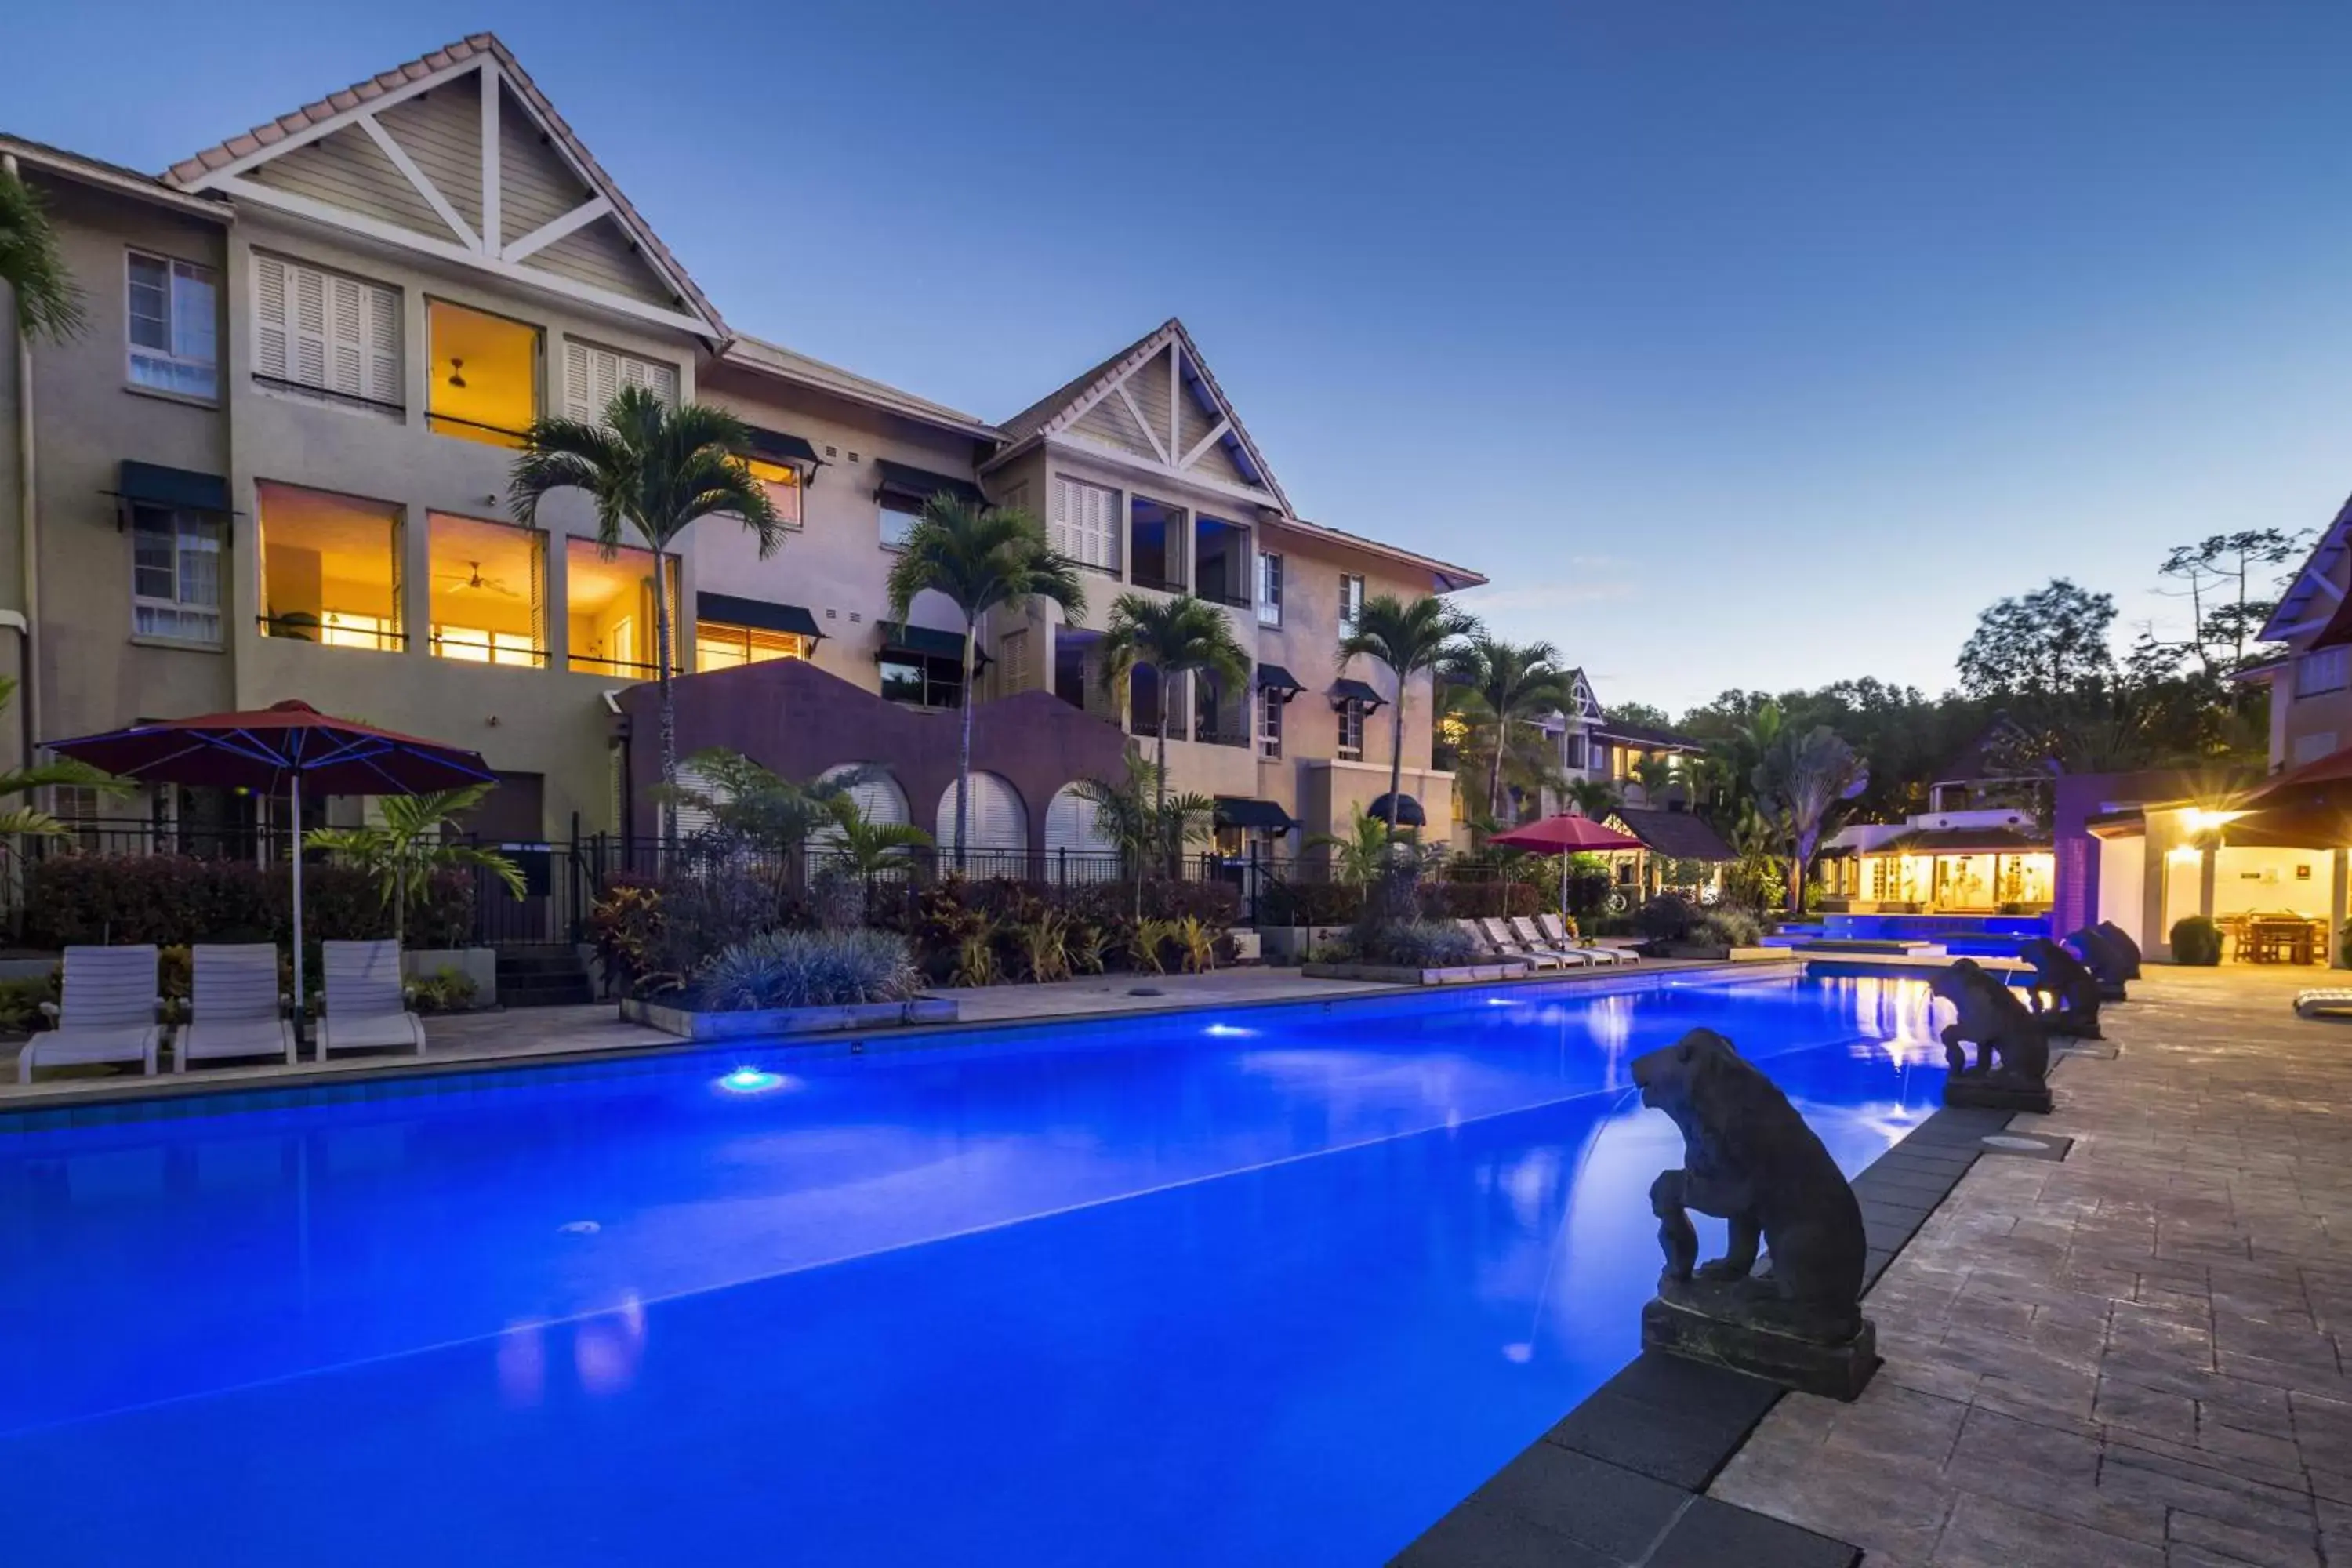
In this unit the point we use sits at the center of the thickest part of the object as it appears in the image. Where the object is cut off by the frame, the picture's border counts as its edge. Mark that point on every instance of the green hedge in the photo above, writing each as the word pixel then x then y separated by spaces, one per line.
pixel 175 900
pixel 2196 940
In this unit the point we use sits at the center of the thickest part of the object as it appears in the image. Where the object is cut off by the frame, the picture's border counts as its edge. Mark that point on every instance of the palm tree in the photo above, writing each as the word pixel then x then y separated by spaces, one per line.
pixel 1656 772
pixel 651 470
pixel 1409 639
pixel 404 849
pixel 1801 782
pixel 18 822
pixel 1175 636
pixel 1596 798
pixel 1508 684
pixel 981 558
pixel 1138 817
pixel 1357 854
pixel 33 269
pixel 865 847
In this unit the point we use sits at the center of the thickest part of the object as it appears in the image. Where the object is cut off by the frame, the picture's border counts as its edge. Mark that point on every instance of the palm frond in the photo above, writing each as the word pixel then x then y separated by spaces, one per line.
pixel 981 558
pixel 33 265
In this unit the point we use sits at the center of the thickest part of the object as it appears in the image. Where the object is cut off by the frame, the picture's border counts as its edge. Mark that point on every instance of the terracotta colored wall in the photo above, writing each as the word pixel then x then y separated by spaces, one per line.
pixel 799 721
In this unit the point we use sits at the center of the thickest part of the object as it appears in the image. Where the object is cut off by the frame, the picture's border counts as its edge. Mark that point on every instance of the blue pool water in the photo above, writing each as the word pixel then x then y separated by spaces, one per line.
pixel 1277 1287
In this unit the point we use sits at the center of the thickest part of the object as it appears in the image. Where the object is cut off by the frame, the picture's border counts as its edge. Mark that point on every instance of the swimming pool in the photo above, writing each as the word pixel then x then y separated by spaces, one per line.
pixel 1278 1286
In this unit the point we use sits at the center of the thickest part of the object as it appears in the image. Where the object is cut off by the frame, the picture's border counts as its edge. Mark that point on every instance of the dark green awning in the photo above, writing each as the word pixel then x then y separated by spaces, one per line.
pixel 1407 811
pixel 899 638
pixel 1233 811
pixel 921 484
pixel 1344 690
pixel 776 447
pixel 758 613
pixel 1273 678
pixel 152 484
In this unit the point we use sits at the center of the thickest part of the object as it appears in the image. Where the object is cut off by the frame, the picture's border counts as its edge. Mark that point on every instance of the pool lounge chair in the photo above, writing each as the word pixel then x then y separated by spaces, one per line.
pixel 2323 1002
pixel 234 1008
pixel 366 1002
pixel 1490 948
pixel 1556 932
pixel 107 1011
pixel 1507 941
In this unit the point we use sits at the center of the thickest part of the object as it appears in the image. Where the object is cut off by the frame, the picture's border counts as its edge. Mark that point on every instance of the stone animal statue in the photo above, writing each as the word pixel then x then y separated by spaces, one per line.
pixel 1749 1159
pixel 2074 991
pixel 2106 961
pixel 2121 940
pixel 2004 1030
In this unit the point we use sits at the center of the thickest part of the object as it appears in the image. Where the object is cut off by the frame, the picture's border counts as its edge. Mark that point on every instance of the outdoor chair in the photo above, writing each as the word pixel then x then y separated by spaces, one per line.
pixel 366 1002
pixel 108 1012
pixel 1489 953
pixel 234 1008
pixel 1555 930
pixel 1507 941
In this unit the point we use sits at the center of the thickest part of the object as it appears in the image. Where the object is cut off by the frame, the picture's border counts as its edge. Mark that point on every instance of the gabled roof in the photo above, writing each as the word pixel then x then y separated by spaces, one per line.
pixel 42 158
pixel 1446 577
pixel 786 365
pixel 2315 594
pixel 222 167
pixel 1678 835
pixel 1069 404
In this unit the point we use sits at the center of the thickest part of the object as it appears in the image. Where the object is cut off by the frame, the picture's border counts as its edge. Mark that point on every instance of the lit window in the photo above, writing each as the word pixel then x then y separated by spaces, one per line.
pixel 330 568
pixel 718 646
pixel 483 384
pixel 174 574
pixel 174 321
pixel 1351 730
pixel 783 483
pixel 487 598
pixel 1269 588
pixel 609 608
pixel 1351 602
pixel 323 334
pixel 1269 723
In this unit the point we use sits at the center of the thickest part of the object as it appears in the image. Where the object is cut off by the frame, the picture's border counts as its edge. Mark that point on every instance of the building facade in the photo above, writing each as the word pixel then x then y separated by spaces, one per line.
pixel 275 465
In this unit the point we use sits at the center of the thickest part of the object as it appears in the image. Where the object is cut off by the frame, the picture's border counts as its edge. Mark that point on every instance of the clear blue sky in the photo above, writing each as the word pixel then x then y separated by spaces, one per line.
pixel 1742 342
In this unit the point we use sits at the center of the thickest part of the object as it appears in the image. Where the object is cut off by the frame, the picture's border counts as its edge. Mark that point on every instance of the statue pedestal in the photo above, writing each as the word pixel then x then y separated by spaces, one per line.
pixel 1996 1094
pixel 1833 1371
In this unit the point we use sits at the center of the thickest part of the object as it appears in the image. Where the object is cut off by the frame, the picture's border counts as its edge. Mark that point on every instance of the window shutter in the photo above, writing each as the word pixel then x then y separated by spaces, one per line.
pixel 270 337
pixel 384 347
pixel 306 323
pixel 575 382
pixel 1081 524
pixel 591 375
pixel 347 338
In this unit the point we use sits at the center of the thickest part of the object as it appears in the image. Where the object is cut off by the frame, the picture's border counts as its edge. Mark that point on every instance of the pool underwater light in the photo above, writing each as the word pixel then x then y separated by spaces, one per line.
pixel 1230 1031
pixel 750 1080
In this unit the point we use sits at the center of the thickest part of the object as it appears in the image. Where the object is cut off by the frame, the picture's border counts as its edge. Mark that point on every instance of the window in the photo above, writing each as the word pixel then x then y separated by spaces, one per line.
pixel 1351 602
pixel 718 646
pixel 1084 524
pixel 591 375
pixel 2323 670
pixel 487 600
pixel 1574 750
pixel 321 332
pixel 899 515
pixel 1269 723
pixel 1155 544
pixel 1269 588
pixel 330 568
pixel 482 383
pixel 173 317
pixel 921 679
pixel 608 608
pixel 174 574
pixel 783 483
pixel 1351 729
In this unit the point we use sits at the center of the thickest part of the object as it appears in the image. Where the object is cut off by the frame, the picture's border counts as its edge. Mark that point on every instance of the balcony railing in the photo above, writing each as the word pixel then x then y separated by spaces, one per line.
pixel 300 627
pixel 1138 580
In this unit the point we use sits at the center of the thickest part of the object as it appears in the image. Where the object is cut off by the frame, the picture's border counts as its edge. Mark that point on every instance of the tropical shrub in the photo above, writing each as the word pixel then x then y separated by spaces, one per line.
pixel 176 899
pixel 625 925
pixel 808 969
pixel 2196 940
pixel 1727 926
pixel 1480 900
pixel 1196 943
pixel 1310 903
pixel 20 1002
pixel 1666 917
pixel 1421 945
pixel 1149 945
pixel 446 990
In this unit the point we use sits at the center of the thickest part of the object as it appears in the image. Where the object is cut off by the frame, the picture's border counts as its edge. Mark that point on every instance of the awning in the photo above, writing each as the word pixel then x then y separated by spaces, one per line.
pixel 1280 682
pixel 899 638
pixel 758 613
pixel 776 447
pixel 1408 813
pixel 921 484
pixel 1345 690
pixel 152 484
pixel 1233 811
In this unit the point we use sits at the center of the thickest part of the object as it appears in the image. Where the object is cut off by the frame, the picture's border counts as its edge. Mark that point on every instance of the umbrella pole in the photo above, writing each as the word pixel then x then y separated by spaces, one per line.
pixel 298 906
pixel 1563 889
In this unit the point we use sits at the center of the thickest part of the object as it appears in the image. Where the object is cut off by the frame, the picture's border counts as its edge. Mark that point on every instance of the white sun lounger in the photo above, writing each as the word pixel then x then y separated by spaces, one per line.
pixel 1507 940
pixel 108 1012
pixel 1556 933
pixel 366 1001
pixel 1510 953
pixel 2323 1002
pixel 234 1008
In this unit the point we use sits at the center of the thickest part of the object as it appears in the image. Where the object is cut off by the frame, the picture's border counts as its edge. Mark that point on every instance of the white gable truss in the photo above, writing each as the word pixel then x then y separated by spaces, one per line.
pixel 2312 596
pixel 1583 706
pixel 458 156
pixel 1159 407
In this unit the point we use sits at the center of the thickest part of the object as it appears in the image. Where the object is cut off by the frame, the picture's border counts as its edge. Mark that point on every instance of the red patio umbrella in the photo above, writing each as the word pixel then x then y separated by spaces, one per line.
pixel 1563 835
pixel 282 746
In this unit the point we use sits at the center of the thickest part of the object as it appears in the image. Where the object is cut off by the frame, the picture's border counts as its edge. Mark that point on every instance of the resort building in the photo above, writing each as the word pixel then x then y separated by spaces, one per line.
pixel 1979 848
pixel 1638 762
pixel 275 464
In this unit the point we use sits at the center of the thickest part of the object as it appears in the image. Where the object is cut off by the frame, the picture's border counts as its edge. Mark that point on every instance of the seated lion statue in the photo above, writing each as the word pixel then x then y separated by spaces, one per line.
pixel 1749 1158
pixel 1991 1014
pixel 2072 990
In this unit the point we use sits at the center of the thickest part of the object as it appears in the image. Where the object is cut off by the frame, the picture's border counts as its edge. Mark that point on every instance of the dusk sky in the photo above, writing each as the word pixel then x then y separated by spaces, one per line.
pixel 1741 344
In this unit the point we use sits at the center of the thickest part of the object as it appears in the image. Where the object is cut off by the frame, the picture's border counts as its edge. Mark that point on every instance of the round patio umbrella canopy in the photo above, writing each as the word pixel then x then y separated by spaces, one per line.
pixel 1565 835
pixel 283 747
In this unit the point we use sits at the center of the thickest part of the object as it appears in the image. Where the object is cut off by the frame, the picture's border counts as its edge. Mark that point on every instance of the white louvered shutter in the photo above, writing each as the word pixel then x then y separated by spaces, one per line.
pixel 591 375
pixel 1083 525
pixel 1073 822
pixel 693 818
pixel 384 346
pixel 271 340
pixel 306 324
pixel 325 331
pixel 878 798
pixel 997 820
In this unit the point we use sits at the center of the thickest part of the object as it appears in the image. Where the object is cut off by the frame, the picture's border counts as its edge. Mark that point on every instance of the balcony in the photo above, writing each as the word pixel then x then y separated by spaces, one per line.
pixel 329 569
pixel 1223 561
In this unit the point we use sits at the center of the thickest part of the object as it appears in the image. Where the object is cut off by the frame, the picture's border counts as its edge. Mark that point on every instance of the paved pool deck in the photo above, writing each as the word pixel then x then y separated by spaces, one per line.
pixel 594 1029
pixel 2135 1356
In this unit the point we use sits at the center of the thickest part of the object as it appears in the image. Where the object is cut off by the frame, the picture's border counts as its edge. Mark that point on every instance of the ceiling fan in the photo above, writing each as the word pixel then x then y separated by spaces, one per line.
pixel 473 581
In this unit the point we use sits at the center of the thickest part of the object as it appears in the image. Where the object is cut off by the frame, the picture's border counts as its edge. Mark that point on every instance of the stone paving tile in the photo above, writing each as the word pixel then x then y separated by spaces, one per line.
pixel 2134 1356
